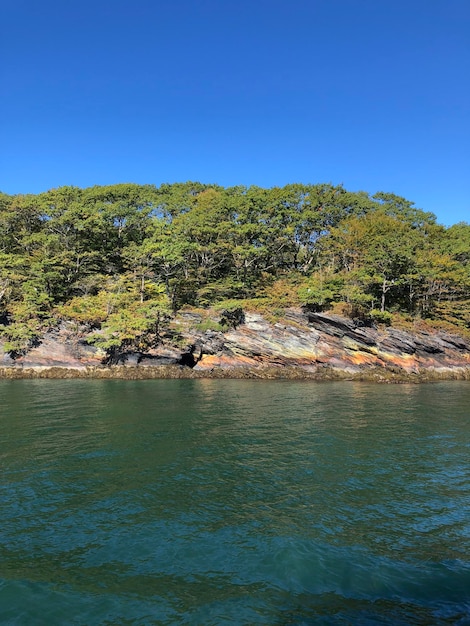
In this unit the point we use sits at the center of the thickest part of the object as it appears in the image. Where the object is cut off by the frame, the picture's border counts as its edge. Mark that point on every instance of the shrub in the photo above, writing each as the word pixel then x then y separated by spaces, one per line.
pixel 381 317
pixel 232 317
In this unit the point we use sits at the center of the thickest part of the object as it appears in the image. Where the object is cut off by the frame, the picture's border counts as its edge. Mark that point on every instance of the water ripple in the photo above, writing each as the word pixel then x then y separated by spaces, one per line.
pixel 234 502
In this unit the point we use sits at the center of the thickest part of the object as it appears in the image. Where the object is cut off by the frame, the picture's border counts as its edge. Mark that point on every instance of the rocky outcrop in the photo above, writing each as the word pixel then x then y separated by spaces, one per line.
pixel 314 340
pixel 60 347
pixel 307 344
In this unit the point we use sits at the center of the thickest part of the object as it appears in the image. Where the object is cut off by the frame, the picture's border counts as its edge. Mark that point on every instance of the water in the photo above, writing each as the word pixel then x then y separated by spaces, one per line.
pixel 218 502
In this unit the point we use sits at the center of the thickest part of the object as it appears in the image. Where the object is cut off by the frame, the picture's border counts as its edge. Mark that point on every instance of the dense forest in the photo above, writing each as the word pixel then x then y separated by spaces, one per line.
pixel 121 260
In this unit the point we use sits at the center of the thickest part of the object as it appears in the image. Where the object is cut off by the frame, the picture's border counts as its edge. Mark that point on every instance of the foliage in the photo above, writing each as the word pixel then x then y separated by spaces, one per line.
pixel 121 259
pixel 382 317
pixel 208 324
pixel 232 317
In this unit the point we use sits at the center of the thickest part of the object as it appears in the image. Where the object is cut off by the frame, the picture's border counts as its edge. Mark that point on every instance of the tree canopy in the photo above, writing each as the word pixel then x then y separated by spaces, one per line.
pixel 122 259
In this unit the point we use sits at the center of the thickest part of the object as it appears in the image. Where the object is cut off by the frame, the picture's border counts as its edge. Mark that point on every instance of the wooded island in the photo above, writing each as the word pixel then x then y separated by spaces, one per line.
pixel 122 260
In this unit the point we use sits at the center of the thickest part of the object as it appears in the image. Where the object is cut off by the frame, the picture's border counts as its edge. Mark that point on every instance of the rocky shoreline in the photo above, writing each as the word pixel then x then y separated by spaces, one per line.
pixel 302 346
pixel 384 375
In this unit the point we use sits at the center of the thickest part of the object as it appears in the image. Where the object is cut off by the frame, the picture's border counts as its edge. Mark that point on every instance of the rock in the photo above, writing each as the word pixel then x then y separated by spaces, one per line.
pixel 61 347
pixel 398 342
pixel 308 342
pixel 211 342
pixel 331 324
pixel 163 355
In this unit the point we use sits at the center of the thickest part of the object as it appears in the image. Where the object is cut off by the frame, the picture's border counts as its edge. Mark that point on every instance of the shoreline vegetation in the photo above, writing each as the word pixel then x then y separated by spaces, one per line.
pixel 194 280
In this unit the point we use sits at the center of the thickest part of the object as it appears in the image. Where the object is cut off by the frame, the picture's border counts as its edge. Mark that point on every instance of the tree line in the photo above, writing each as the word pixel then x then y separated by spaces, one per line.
pixel 122 259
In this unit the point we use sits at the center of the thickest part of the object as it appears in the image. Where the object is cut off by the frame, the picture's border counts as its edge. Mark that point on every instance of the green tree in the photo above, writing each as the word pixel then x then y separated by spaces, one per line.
pixel 376 251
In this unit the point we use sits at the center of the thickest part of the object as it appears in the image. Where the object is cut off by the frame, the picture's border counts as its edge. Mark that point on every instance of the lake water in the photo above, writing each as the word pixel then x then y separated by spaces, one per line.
pixel 218 502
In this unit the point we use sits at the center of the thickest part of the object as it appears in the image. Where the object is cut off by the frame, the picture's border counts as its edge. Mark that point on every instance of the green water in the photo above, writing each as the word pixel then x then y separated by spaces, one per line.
pixel 234 502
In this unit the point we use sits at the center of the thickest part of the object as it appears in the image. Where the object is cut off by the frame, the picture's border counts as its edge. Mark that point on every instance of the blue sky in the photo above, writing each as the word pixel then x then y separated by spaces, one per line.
pixel 374 94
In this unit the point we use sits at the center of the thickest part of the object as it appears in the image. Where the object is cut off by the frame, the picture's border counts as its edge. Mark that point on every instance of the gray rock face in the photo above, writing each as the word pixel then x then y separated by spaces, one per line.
pixel 60 347
pixel 316 340
pixel 306 341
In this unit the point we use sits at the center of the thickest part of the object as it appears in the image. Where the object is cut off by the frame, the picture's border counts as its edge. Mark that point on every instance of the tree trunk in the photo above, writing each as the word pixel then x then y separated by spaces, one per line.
pixel 142 287
pixel 384 291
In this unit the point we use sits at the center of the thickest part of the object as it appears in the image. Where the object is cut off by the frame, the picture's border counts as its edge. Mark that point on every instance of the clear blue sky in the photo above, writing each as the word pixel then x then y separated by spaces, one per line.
pixel 374 94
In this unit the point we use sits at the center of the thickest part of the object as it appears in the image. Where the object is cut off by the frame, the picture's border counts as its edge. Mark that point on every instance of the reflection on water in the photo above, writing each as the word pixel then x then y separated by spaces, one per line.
pixel 234 502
